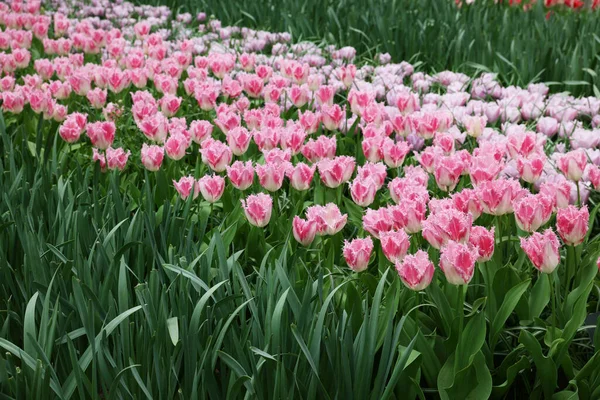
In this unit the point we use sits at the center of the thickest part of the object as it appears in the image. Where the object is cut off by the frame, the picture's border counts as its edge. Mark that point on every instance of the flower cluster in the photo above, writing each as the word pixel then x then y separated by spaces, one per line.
pixel 424 156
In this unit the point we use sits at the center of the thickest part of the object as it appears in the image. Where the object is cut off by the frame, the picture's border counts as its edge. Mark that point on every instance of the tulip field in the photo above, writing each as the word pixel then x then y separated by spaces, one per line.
pixel 209 204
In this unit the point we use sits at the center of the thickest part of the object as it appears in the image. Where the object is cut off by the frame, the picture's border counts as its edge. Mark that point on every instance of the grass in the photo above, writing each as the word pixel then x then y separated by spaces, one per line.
pixel 521 47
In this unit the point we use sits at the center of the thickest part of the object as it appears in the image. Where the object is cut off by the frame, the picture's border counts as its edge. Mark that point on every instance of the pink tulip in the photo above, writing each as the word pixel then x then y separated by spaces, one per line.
pixel 521 143
pixel 292 138
pixel 498 196
pixel 152 157
pixel 483 240
pixel 530 169
pixel 211 187
pixel 70 130
pixel 593 175
pixel 375 171
pixel 457 261
pixel 169 104
pixel 271 174
pixel 363 191
pixel 543 250
pixel 238 140
pixel 416 271
pixel 572 164
pixel 117 158
pixel 310 121
pixel 301 176
pixel 372 148
pixel 200 130
pixel 241 174
pixel 175 146
pixel 394 244
pixel 304 230
pixel 267 138
pixel 467 201
pixel 448 225
pixel 409 215
pixel 217 155
pixel 532 211
pixel 99 157
pixel 336 171
pixel 408 102
pixel 377 221
pixel 101 134
pixel 257 208
pixel 186 185
pixel 548 126
pixel 322 147
pixel 97 97
pixel 357 253
pixel 572 224
pixel 332 116
pixel 448 171
pixel 277 156
pixel 394 153
pixel 329 219
pixel 559 191
pixel 155 127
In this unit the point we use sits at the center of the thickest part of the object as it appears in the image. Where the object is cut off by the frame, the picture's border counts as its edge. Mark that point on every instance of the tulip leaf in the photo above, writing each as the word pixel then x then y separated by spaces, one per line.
pixel 508 305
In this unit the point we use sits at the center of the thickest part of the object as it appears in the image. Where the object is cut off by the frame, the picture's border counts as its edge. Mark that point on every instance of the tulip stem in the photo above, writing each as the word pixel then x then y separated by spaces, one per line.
pixel 570 268
pixel 578 194
pixel 553 298
pixel 460 308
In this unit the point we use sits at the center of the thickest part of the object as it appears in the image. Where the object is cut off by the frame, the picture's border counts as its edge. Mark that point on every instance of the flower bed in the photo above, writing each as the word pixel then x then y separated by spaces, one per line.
pixel 429 233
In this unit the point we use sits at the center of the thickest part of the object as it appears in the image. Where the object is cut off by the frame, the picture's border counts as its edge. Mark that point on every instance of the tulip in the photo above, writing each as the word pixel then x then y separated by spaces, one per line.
pixel 377 221
pixel 542 250
pixel 257 208
pixel 497 196
pixel 101 134
pixel 175 146
pixel 447 173
pixel 415 271
pixel 467 201
pixel 238 140
pixel 200 130
pixel 394 244
pixel 572 164
pixel 270 175
pixel 531 168
pixel 474 125
pixel 457 261
pixel 211 187
pixel 304 230
pixel 117 158
pixel 185 185
pixel 394 153
pixel 336 171
pixel 322 147
pixel 152 157
pixel 217 155
pixel 329 219
pixel 533 211
pixel 572 224
pixel 363 191
pixel 357 253
pixel 483 240
pixel 301 176
pixel 593 175
pixel 241 174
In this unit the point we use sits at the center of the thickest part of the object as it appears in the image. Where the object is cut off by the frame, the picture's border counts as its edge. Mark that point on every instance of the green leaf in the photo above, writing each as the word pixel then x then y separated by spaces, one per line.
pixel 173 328
pixel 511 299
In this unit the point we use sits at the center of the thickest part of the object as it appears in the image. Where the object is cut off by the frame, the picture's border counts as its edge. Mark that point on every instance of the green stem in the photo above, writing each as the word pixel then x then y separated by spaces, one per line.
pixel 460 304
pixel 570 268
pixel 553 295
pixel 578 194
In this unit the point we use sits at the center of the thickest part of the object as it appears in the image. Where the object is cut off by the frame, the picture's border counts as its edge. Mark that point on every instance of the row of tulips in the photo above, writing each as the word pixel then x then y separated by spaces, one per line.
pixel 413 171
